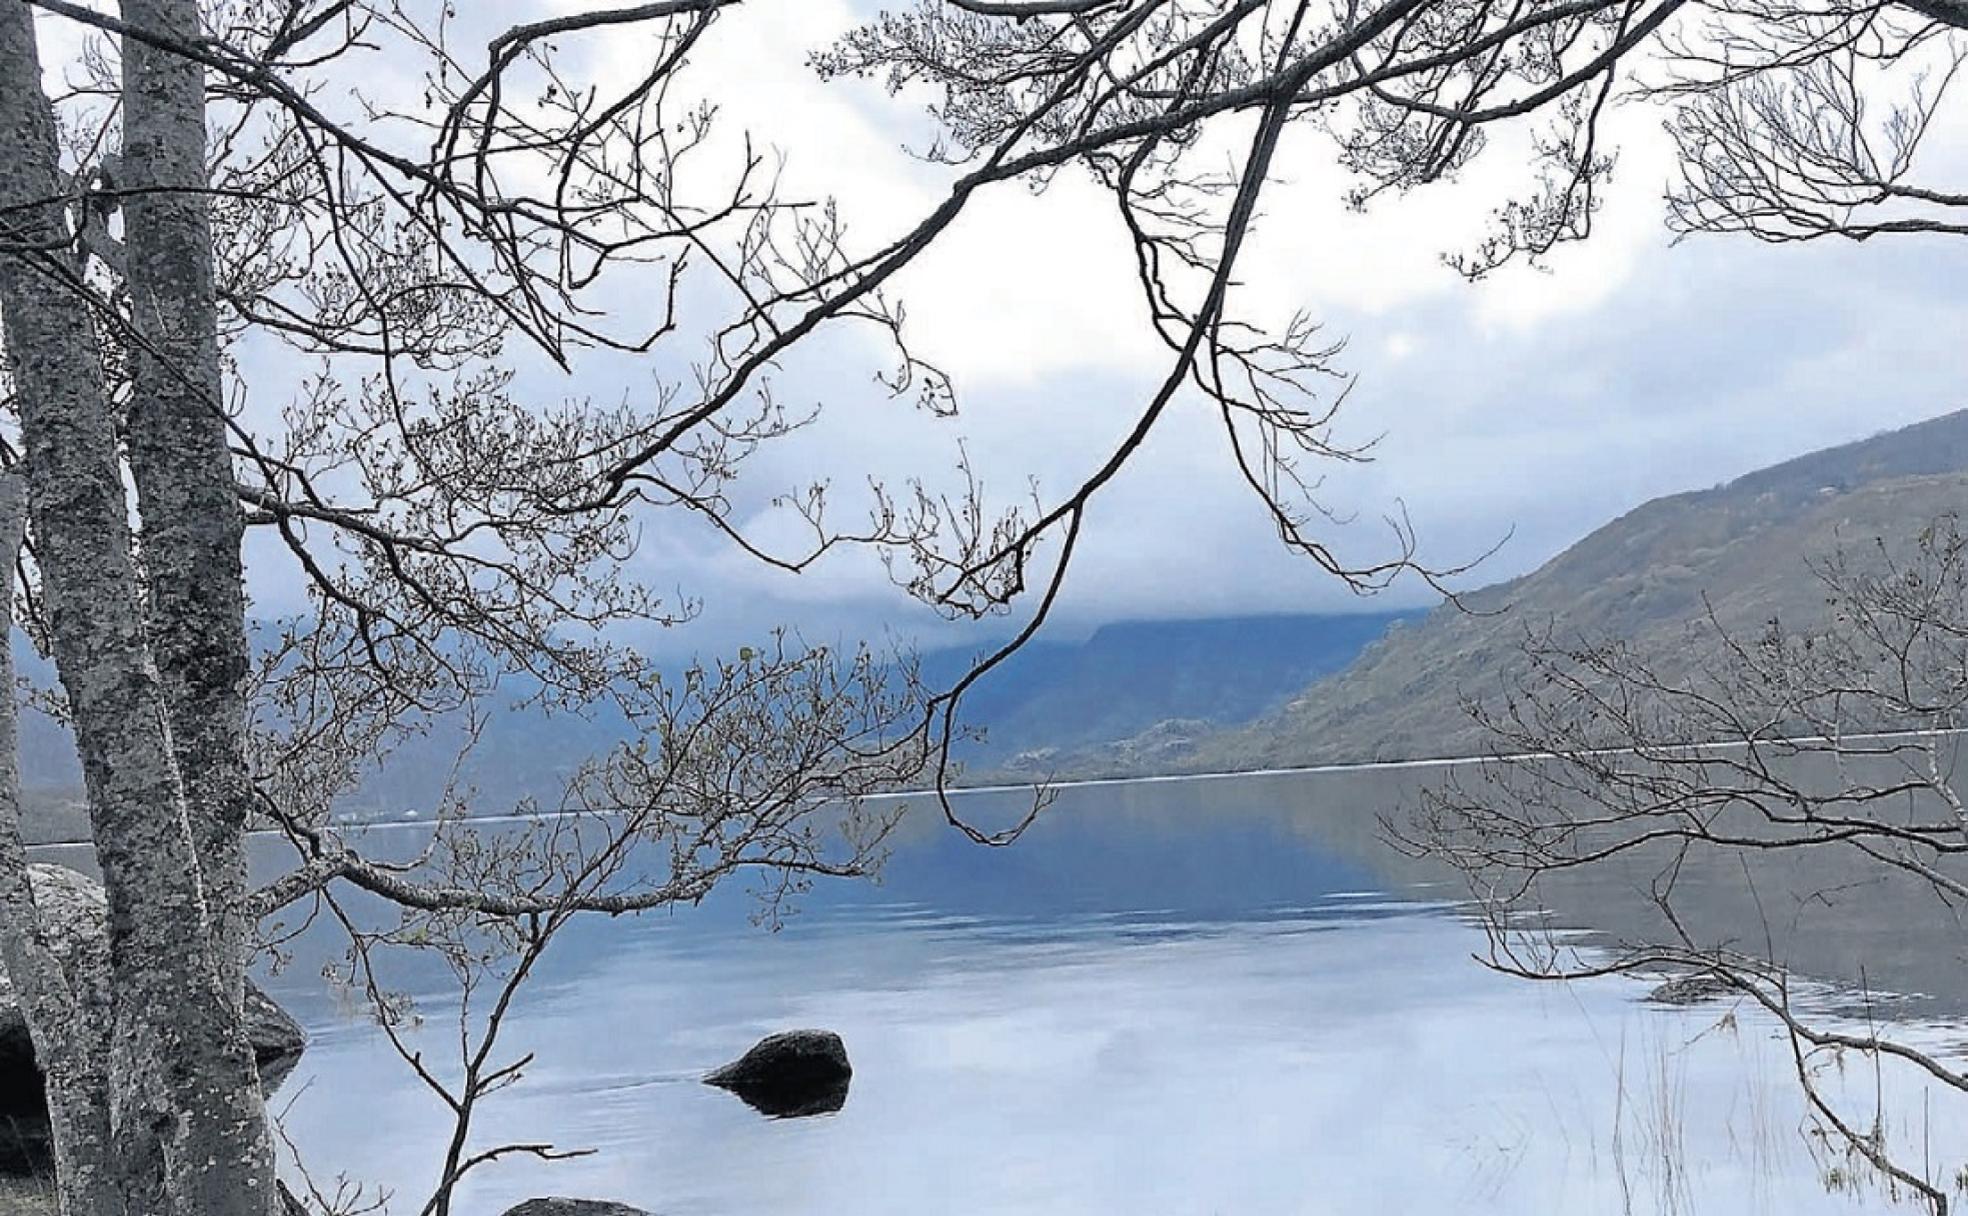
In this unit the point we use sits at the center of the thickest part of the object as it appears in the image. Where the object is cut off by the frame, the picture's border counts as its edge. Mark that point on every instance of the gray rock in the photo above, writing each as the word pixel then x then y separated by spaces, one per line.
pixel 73 916
pixel 1691 989
pixel 573 1207
pixel 790 1074
pixel 277 1038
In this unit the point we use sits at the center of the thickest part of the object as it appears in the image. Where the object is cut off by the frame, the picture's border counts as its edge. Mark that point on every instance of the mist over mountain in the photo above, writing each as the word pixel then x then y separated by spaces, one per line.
pixel 1144 697
pixel 1180 678
pixel 1745 550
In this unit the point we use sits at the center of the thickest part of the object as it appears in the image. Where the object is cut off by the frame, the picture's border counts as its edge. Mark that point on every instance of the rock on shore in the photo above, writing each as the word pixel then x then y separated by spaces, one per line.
pixel 73 915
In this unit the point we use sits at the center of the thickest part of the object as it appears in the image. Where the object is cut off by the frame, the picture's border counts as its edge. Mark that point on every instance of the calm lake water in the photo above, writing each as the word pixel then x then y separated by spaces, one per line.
pixel 1178 997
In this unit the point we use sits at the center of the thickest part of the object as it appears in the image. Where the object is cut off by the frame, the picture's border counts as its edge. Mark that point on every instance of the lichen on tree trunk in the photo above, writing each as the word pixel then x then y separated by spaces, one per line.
pixel 180 462
pixel 187 1122
pixel 73 1053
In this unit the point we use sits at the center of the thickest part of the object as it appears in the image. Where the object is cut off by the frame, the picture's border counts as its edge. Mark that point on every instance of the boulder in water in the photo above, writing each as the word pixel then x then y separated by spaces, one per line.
pixel 790 1074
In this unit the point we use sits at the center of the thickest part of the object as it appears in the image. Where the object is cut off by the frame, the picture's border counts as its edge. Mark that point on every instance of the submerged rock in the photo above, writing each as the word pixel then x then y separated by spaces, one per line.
pixel 573 1207
pixel 791 1074
pixel 1691 989
pixel 73 918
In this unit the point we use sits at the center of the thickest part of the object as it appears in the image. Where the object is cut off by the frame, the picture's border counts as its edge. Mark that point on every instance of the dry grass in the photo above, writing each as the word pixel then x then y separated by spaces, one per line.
pixel 26 1197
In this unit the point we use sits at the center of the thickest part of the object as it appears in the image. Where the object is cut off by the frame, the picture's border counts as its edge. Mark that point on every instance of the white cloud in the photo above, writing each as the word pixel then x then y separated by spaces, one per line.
pixel 1544 401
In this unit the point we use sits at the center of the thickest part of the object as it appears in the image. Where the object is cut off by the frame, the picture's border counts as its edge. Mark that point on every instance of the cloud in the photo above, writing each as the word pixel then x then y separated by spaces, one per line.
pixel 1544 402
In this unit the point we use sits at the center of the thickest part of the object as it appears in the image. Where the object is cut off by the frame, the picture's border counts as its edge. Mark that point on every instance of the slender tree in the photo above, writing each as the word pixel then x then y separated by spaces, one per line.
pixel 187 1131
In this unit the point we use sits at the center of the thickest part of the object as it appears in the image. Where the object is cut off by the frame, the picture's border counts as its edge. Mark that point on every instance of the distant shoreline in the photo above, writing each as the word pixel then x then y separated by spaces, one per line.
pixel 961 790
pixel 1168 778
pixel 1429 762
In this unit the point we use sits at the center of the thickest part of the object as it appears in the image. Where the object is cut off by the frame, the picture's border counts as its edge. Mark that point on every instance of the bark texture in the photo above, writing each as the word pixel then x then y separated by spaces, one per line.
pixel 179 458
pixel 187 1124
pixel 73 1055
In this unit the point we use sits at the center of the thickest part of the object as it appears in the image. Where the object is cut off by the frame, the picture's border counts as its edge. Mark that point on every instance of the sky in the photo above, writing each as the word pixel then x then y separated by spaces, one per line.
pixel 1517 413
pixel 1524 410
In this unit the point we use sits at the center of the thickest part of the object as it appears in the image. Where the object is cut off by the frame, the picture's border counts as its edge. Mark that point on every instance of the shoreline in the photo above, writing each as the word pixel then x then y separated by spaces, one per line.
pixel 1005 787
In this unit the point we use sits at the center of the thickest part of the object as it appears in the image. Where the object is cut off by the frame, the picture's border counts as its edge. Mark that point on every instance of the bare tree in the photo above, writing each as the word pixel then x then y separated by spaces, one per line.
pixel 200 178
pixel 1828 750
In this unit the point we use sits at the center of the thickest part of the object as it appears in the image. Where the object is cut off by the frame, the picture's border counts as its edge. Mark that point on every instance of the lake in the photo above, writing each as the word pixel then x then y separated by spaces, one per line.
pixel 1219 995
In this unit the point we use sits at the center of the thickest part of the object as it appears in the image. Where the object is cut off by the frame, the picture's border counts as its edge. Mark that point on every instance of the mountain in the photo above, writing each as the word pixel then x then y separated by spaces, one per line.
pixel 1050 698
pixel 1142 676
pixel 1159 680
pixel 1745 548
pixel 1280 691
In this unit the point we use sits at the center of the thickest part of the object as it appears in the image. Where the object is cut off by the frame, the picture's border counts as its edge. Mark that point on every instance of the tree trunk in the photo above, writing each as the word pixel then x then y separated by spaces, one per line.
pixel 181 463
pixel 71 1054
pixel 188 1126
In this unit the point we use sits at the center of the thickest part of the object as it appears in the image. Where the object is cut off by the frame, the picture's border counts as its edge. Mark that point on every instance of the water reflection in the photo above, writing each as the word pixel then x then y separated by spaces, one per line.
pixel 1219 996
pixel 778 1104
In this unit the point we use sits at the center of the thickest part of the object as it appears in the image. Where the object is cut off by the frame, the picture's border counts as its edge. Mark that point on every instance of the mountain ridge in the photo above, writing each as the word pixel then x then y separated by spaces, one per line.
pixel 1125 678
pixel 1742 550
